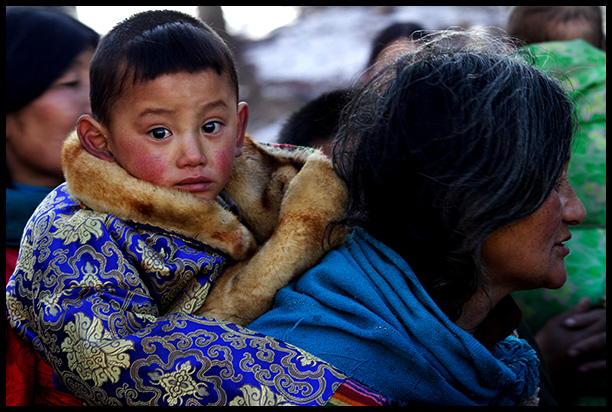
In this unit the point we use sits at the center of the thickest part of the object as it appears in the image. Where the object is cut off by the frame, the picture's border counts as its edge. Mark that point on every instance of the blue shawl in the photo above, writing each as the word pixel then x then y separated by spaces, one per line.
pixel 363 310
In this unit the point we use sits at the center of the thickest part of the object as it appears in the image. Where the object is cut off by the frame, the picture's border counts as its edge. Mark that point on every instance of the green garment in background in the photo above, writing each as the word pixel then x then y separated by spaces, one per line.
pixel 582 68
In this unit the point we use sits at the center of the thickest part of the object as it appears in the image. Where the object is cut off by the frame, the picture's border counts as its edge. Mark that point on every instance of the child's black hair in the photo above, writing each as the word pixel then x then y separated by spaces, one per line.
pixel 151 44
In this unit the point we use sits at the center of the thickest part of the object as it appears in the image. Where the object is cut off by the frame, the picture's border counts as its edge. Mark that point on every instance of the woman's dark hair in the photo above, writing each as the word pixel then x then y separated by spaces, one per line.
pixel 41 44
pixel 445 147
pixel 151 44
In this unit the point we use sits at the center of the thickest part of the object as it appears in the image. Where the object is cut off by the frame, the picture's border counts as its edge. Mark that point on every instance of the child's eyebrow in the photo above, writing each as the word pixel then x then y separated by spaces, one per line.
pixel 205 108
pixel 161 111
pixel 153 112
pixel 213 105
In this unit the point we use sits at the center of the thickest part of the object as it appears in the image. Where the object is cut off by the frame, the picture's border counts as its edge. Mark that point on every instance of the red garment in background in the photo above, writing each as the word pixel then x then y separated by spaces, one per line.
pixel 29 379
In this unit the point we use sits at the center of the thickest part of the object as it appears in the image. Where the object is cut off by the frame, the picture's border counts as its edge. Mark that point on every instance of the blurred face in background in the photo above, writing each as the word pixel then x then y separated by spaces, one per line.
pixel 389 54
pixel 35 133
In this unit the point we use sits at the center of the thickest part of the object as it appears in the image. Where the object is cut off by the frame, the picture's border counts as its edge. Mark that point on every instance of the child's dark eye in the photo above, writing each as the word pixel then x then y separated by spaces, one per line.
pixel 211 127
pixel 159 133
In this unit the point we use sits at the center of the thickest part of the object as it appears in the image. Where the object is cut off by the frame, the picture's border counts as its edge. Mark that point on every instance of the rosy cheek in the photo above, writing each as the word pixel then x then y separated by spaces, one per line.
pixel 150 168
pixel 153 169
pixel 223 160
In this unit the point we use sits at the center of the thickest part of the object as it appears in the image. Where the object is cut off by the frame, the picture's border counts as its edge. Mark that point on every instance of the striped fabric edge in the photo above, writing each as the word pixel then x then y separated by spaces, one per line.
pixel 352 393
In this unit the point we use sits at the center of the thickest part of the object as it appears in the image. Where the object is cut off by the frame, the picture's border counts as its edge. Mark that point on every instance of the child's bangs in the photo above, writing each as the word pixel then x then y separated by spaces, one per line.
pixel 170 49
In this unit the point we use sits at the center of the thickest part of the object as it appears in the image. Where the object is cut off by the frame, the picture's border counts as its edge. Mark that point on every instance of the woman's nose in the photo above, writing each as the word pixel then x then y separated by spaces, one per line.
pixel 575 213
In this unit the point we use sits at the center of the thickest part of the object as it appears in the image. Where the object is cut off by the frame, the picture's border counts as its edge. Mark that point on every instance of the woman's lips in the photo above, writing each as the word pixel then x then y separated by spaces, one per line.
pixel 562 247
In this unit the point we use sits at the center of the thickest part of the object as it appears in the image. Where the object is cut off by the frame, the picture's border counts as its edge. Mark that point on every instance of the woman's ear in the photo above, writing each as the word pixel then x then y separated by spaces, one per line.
pixel 93 138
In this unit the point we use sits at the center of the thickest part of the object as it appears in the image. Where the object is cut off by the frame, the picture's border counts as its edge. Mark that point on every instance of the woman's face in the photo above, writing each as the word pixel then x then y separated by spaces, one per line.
pixel 530 253
pixel 35 134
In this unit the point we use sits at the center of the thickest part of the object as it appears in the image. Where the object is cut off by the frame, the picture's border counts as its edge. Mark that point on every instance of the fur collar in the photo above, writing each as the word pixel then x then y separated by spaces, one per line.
pixel 106 187
pixel 286 200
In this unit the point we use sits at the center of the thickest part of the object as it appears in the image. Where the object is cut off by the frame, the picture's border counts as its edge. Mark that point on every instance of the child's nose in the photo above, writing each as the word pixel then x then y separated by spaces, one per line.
pixel 192 152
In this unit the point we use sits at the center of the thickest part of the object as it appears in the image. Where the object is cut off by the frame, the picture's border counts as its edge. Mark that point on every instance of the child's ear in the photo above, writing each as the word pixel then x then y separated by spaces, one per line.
pixel 93 138
pixel 243 119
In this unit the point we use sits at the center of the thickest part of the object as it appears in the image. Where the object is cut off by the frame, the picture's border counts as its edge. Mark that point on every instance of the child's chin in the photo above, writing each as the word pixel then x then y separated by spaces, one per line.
pixel 203 195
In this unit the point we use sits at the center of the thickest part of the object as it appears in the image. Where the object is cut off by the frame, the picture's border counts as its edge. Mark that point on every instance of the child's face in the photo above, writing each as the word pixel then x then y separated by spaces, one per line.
pixel 179 131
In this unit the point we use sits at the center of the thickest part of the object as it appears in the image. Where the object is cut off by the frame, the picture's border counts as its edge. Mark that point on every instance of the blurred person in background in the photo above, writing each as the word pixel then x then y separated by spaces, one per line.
pixel 315 123
pixel 393 41
pixel 47 89
pixel 568 42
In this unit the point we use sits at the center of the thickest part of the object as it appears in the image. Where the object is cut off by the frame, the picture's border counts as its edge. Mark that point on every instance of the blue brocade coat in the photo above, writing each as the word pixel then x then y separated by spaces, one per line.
pixel 112 271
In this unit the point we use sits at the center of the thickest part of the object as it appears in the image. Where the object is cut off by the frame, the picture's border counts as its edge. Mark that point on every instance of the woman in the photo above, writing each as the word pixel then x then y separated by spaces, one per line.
pixel 456 161
pixel 42 105
pixel 47 89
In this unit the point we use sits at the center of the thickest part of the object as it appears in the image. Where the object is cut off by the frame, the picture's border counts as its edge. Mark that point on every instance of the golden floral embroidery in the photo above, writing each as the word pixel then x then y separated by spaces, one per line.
pixel 151 262
pixel 92 352
pixel 192 298
pixel 26 260
pixel 179 383
pixel 82 297
pixel 50 303
pixel 79 227
pixel 90 274
pixel 306 358
pixel 258 396
pixel 15 310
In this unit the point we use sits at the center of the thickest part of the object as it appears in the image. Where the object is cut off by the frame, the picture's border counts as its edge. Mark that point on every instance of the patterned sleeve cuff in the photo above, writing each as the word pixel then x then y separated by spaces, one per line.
pixel 352 393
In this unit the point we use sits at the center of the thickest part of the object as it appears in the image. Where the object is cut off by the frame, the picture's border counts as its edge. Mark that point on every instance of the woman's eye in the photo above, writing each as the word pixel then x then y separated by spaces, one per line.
pixel 159 133
pixel 560 182
pixel 211 127
pixel 71 85
pixel 70 79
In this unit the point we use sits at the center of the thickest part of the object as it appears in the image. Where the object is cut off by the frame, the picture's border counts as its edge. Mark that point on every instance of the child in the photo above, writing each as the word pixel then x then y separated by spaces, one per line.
pixel 115 263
